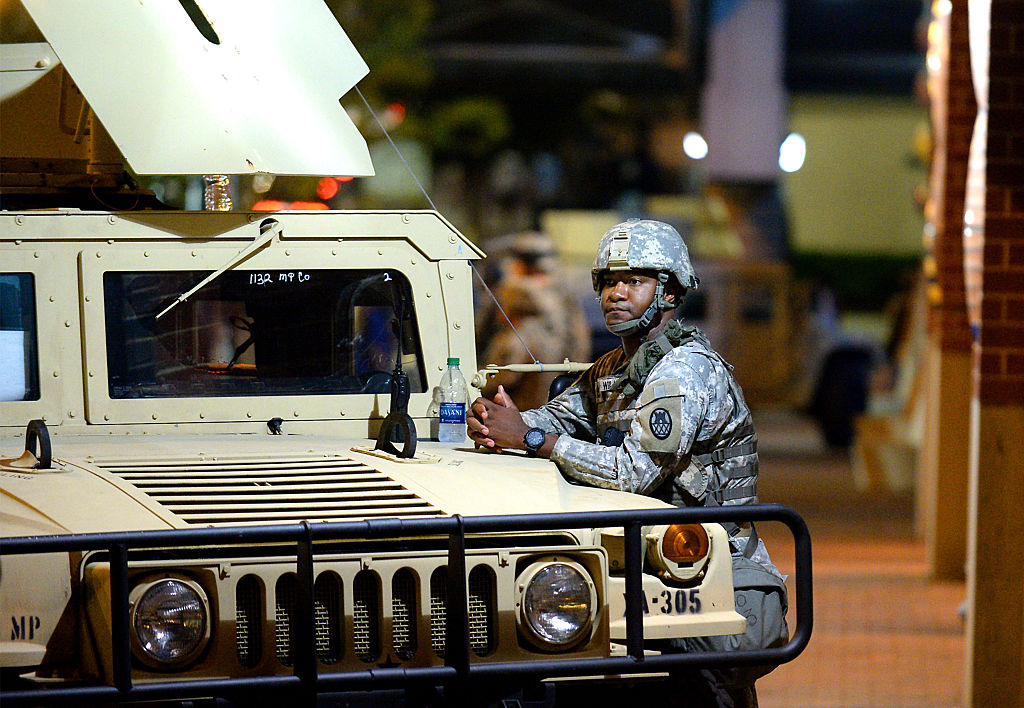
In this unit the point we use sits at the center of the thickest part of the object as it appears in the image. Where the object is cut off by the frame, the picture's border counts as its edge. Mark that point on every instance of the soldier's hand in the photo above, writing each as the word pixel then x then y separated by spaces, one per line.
pixel 476 425
pixel 502 398
pixel 495 426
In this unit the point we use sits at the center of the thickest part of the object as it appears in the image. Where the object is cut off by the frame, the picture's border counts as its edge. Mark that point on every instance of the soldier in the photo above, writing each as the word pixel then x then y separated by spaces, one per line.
pixel 661 415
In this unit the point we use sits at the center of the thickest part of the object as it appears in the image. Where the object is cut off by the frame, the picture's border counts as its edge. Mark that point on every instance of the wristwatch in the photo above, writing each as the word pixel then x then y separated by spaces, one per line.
pixel 534 440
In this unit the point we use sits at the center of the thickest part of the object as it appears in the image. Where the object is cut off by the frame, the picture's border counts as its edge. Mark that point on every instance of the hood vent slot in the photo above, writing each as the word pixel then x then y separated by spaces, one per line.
pixel 238 491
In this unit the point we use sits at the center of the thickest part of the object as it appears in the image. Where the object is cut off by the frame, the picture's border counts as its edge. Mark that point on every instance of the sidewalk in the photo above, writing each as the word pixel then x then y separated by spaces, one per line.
pixel 884 635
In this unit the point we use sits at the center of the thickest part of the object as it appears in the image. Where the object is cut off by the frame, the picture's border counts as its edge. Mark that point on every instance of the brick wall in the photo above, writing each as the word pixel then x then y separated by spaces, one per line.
pixel 953 111
pixel 1001 343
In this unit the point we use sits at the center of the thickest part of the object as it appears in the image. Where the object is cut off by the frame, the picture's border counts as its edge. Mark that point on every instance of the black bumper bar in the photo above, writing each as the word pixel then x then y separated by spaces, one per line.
pixel 307 680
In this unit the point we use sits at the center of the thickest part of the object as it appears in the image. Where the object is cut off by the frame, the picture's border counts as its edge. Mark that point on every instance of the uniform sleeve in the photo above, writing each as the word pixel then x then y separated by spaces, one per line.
pixel 672 405
pixel 571 413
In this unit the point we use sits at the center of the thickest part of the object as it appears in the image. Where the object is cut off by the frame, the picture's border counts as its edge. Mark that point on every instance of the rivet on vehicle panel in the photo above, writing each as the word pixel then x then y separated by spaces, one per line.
pixel 405 218
pixel 427 293
pixel 98 254
pixel 295 413
pixel 248 414
pixel 71 414
pixel 145 254
pixel 450 276
pixel 456 325
pixel 334 252
pixel 154 416
pixel 19 220
pixel 412 262
pixel 67 323
pixel 451 239
pixel 52 300
pixel 440 368
pixel 56 374
pixel 287 252
pixel 252 218
pixel 35 254
pixel 88 299
pixel 111 219
pixel 106 417
pixel 110 241
pixel 380 252
pixel 91 374
pixel 201 414
pixel 193 254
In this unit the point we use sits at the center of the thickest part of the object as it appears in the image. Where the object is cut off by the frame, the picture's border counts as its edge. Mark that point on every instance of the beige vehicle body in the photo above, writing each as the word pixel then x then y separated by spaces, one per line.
pixel 177 457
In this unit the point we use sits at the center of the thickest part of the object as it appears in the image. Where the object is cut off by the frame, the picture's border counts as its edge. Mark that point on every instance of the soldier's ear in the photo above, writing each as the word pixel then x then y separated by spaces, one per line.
pixel 673 293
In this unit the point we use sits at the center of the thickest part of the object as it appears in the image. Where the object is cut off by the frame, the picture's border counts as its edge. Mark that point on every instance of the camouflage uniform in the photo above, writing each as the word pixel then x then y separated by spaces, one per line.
pixel 672 423
pixel 684 436
pixel 659 439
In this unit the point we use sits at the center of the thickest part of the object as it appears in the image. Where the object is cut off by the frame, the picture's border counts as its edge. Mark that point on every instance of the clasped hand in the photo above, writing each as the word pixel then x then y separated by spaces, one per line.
pixel 497 424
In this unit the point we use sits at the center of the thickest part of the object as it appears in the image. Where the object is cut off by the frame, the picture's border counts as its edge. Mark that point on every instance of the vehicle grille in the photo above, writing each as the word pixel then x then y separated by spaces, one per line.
pixel 328 617
pixel 481 610
pixel 248 611
pixel 238 491
pixel 404 613
pixel 369 639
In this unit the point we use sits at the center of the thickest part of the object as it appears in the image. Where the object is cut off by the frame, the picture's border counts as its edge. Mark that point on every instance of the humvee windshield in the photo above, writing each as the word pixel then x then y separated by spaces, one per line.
pixel 19 365
pixel 258 333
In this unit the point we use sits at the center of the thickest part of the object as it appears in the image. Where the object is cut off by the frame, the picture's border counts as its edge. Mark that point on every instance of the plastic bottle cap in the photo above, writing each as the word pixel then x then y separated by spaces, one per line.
pixel 453 361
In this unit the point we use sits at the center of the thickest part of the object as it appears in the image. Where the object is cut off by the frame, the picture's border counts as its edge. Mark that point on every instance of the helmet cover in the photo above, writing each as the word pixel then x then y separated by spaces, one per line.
pixel 644 244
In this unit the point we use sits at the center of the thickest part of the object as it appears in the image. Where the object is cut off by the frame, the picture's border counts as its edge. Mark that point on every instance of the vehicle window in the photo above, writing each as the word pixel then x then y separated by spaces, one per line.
pixel 19 373
pixel 266 333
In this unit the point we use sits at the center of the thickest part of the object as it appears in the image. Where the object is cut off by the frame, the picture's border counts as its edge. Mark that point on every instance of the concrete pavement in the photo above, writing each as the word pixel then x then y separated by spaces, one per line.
pixel 884 634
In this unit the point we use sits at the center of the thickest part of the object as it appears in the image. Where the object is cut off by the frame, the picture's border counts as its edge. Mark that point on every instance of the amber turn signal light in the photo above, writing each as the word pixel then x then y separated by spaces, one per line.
pixel 684 543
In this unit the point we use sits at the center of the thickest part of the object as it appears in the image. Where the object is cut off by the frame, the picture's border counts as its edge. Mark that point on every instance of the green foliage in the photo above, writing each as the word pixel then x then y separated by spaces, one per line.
pixel 388 35
pixel 470 128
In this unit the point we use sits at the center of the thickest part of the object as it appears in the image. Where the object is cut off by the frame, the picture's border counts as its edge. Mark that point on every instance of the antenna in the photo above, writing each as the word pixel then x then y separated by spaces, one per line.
pixel 432 206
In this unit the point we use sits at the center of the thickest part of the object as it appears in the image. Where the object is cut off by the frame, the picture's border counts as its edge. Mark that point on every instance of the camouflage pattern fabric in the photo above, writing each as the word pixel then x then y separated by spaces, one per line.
pixel 643 244
pixel 651 442
pixel 613 436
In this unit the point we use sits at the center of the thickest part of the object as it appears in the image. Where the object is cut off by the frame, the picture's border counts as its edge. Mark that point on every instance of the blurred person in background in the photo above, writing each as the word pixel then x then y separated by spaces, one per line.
pixel 548 319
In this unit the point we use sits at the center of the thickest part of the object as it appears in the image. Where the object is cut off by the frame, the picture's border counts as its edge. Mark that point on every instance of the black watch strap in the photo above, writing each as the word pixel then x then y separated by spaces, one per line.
pixel 534 440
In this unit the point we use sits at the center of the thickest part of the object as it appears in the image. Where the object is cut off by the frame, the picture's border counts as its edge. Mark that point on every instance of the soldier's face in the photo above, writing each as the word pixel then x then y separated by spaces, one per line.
pixel 625 295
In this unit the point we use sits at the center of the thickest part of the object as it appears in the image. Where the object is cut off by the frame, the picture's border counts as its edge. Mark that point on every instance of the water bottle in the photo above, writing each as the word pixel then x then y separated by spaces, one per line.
pixel 451 426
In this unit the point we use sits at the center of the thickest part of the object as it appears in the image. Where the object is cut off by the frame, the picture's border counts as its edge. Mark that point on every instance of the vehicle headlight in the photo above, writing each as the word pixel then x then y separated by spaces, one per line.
pixel 679 551
pixel 557 603
pixel 170 621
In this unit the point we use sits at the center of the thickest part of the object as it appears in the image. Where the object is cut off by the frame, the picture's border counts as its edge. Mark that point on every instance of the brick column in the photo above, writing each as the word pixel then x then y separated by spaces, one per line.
pixel 943 466
pixel 995 573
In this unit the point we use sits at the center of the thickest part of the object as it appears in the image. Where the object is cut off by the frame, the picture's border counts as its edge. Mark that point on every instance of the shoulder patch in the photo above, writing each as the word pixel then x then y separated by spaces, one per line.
pixel 659 415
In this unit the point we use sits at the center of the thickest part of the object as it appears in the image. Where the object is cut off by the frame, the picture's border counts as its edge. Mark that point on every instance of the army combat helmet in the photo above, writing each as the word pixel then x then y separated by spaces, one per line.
pixel 643 244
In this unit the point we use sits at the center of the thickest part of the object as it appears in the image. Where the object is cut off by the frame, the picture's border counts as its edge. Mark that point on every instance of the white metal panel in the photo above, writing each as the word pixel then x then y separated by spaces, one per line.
pixel 22 64
pixel 266 98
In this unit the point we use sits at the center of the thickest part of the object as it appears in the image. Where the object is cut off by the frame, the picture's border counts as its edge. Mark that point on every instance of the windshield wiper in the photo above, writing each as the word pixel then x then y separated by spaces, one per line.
pixel 269 229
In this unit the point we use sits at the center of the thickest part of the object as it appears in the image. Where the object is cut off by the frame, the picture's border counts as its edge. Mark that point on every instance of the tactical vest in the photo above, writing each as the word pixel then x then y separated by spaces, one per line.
pixel 730 461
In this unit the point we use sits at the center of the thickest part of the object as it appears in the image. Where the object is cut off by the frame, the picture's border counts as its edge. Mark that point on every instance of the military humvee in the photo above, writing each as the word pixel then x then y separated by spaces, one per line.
pixel 193 503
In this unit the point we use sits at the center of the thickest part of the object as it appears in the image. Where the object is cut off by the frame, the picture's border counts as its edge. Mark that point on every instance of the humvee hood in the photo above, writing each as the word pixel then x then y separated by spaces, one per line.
pixel 153 484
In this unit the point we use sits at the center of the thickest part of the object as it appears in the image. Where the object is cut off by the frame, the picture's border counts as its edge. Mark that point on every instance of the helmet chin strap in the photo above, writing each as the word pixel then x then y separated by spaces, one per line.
pixel 631 327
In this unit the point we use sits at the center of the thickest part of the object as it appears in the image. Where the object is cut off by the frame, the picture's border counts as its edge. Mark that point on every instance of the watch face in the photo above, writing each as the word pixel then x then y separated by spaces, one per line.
pixel 534 438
